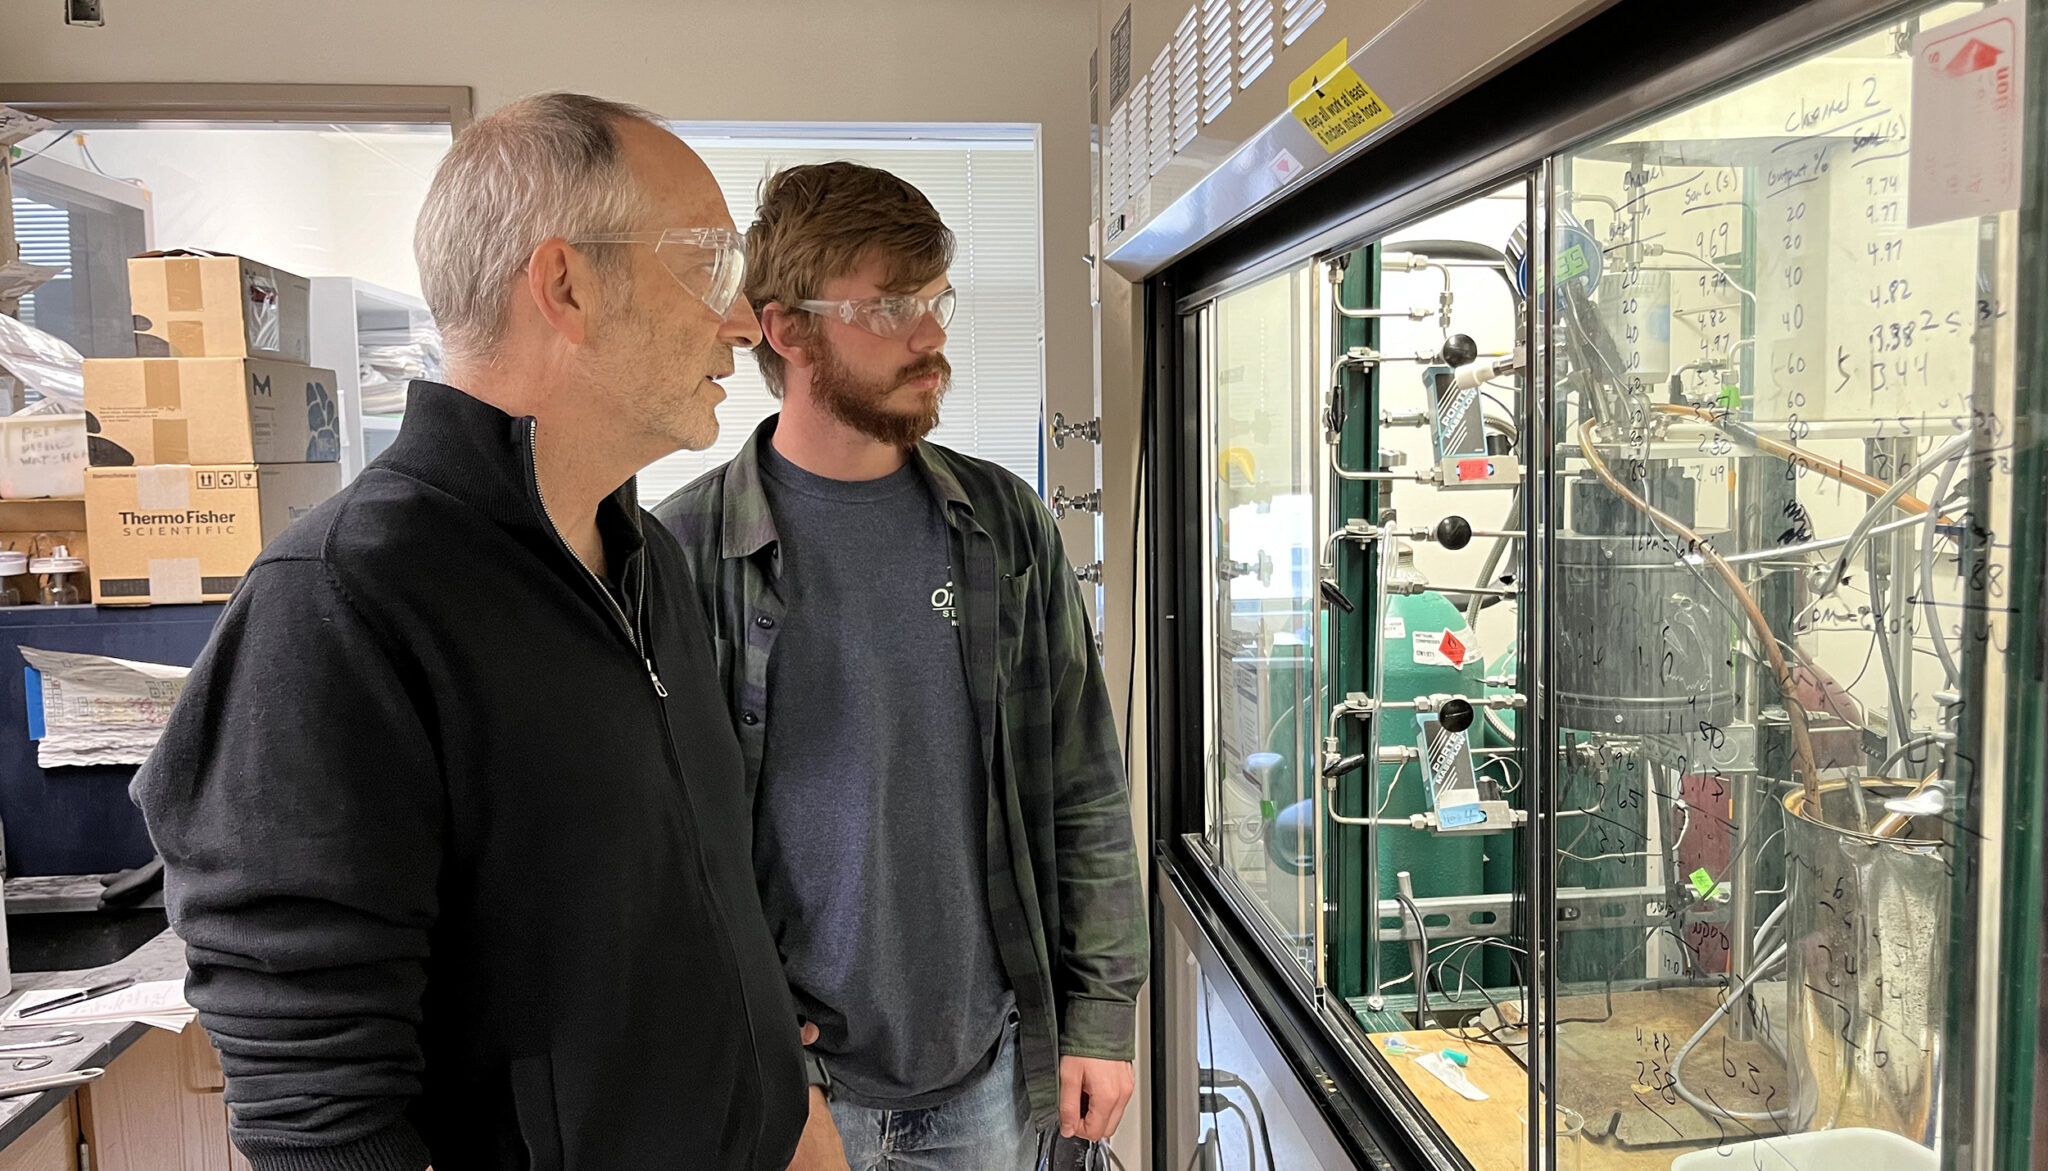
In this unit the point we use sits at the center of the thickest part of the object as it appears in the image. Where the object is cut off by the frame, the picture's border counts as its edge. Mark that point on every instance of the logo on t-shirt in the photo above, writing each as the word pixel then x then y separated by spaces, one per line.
pixel 943 606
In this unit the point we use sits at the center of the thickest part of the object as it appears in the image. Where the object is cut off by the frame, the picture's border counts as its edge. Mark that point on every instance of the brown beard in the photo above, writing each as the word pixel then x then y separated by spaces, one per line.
pixel 860 402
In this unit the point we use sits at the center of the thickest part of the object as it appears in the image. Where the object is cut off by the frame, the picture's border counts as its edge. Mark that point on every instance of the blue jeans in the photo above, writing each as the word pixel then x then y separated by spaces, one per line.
pixel 986 1127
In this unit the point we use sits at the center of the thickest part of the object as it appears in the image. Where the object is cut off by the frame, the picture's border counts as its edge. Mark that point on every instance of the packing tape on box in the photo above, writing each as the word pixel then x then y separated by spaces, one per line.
pixel 186 338
pixel 163 487
pixel 184 287
pixel 174 581
pixel 161 386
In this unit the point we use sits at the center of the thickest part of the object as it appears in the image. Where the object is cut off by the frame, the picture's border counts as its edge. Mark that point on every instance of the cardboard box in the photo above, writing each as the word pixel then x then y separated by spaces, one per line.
pixel 209 411
pixel 172 533
pixel 37 527
pixel 211 305
pixel 42 455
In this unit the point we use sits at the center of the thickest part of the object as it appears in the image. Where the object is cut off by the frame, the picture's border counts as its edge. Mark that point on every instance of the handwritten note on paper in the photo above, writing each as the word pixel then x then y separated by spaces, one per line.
pixel 1969 80
pixel 159 1002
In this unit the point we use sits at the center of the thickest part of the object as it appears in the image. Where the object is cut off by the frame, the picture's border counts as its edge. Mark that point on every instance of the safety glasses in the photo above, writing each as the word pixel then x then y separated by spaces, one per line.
pixel 891 317
pixel 710 263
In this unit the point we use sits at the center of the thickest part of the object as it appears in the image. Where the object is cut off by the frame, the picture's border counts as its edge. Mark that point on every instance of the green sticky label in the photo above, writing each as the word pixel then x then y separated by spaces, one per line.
pixel 1731 397
pixel 1268 811
pixel 1704 883
pixel 1571 262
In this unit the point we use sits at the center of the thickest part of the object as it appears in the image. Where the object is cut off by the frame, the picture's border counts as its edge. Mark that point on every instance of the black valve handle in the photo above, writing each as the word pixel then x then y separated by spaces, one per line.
pixel 1460 350
pixel 1454 532
pixel 1455 715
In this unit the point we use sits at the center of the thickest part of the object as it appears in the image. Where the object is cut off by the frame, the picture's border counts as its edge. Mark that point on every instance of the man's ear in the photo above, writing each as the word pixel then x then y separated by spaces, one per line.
pixel 563 288
pixel 786 333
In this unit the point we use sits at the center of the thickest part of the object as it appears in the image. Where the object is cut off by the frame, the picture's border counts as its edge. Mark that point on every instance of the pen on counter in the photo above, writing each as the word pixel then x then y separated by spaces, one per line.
pixel 55 1081
pixel 79 997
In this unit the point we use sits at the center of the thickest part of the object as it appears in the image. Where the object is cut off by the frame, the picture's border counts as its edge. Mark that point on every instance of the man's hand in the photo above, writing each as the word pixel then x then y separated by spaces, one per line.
pixel 1093 1094
pixel 819 1149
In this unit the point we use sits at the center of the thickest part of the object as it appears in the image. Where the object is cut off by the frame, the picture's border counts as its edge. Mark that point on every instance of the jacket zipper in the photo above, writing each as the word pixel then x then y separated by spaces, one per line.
pixel 634 630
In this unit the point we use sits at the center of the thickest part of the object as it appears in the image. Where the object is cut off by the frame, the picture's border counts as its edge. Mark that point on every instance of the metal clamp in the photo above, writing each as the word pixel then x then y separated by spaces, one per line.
pixel 1091 430
pixel 1091 572
pixel 1062 502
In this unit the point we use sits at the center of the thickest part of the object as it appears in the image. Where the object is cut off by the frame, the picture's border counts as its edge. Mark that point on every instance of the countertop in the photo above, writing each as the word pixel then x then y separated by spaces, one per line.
pixel 162 958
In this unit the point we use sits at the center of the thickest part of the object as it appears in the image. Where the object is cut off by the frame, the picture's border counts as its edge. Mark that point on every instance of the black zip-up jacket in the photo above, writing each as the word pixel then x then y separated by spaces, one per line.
pixel 457 840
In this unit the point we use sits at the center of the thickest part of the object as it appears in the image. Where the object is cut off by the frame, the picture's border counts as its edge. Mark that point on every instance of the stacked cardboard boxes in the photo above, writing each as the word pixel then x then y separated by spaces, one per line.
pixel 203 455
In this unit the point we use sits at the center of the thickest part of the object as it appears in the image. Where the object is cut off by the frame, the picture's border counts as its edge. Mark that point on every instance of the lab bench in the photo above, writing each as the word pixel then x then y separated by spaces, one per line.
pixel 160 1106
pixel 106 1113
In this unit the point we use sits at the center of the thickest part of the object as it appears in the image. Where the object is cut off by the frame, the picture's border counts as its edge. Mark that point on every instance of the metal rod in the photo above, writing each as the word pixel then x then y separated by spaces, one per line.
pixel 1479 591
pixel 1742 914
pixel 1318 680
pixel 1418 476
pixel 1385 565
pixel 1410 314
pixel 1402 822
pixel 1772 553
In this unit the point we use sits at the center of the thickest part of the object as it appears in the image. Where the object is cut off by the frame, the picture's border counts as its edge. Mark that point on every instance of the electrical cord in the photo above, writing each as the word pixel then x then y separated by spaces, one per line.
pixel 1505 761
pixel 1782 1117
pixel 1725 274
pixel 1468 946
pixel 1885 769
pixel 1954 449
pixel 1140 515
pixel 64 134
pixel 1421 983
pixel 1222 1079
pixel 1251 1154
pixel 1388 799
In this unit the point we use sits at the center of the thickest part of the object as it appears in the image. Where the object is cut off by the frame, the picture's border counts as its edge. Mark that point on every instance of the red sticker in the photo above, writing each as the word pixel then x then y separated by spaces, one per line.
pixel 1475 469
pixel 1452 649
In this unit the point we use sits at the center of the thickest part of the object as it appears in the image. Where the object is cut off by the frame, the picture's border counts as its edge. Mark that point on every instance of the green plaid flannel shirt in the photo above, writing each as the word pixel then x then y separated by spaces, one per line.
pixel 1063 888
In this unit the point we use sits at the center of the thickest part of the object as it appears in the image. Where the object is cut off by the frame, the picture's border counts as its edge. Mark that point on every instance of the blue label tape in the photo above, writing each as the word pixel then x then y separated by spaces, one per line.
pixel 1457 815
pixel 32 685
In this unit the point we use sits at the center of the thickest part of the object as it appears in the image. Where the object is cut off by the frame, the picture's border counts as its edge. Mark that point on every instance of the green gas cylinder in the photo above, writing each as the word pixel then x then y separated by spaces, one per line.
pixel 1420 660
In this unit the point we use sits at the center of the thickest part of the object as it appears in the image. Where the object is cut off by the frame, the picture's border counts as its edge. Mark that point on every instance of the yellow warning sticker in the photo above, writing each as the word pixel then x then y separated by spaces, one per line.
pixel 1334 103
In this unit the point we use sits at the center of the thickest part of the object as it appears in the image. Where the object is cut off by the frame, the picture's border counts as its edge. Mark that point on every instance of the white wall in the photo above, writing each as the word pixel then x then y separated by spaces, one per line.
pixel 775 60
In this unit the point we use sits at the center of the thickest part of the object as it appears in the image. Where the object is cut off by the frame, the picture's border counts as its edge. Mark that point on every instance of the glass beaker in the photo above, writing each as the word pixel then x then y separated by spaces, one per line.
pixel 12 564
pixel 1571 1135
pixel 59 572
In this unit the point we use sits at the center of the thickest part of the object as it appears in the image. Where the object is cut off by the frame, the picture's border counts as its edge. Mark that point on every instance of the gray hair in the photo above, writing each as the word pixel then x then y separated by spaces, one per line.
pixel 542 166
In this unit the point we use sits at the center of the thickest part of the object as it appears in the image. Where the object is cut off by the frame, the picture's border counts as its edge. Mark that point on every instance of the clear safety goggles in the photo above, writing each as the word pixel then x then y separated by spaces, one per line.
pixel 892 316
pixel 710 263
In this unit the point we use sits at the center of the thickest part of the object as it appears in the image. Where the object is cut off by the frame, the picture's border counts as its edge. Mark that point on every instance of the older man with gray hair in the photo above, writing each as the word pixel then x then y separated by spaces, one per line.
pixel 454 825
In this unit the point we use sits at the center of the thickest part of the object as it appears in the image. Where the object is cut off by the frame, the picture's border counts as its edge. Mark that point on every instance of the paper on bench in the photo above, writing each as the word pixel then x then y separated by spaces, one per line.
pixel 160 1003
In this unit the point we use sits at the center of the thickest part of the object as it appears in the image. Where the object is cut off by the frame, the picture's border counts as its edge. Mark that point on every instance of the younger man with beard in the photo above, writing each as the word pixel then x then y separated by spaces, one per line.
pixel 942 837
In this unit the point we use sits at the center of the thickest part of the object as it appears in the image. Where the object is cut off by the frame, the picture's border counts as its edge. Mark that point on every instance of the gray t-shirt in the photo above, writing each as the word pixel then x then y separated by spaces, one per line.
pixel 870 836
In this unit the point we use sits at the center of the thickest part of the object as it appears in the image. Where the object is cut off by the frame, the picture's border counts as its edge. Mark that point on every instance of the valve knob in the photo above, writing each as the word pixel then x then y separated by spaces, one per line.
pixel 1460 350
pixel 1455 715
pixel 1454 532
pixel 1343 766
pixel 1335 596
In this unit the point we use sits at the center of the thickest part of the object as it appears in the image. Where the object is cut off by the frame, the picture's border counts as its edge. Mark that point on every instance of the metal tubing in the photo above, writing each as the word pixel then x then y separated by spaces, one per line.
pixel 1372 739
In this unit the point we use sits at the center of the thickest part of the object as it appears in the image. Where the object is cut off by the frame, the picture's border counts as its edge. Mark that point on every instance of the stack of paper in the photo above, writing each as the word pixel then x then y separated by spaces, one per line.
pixel 160 1003
pixel 91 709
